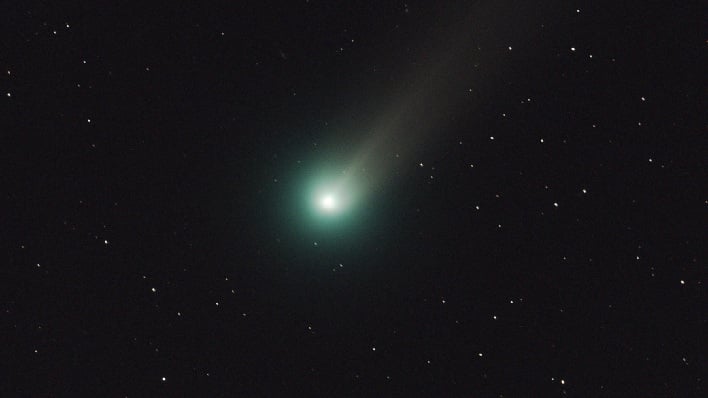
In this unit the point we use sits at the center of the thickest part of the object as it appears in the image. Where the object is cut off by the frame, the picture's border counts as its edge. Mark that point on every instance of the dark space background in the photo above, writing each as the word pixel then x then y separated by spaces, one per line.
pixel 151 153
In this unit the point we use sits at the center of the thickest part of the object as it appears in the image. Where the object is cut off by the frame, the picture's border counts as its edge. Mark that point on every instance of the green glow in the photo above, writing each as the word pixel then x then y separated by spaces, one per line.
pixel 329 203
pixel 323 201
pixel 331 196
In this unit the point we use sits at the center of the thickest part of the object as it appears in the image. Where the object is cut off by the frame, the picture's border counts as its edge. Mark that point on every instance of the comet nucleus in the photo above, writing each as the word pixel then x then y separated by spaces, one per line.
pixel 328 202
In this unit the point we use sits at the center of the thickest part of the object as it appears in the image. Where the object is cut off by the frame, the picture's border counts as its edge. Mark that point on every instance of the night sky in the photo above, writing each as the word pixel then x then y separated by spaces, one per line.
pixel 353 199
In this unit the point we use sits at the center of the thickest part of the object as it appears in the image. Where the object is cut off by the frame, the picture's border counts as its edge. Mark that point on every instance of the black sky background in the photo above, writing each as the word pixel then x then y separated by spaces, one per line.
pixel 205 119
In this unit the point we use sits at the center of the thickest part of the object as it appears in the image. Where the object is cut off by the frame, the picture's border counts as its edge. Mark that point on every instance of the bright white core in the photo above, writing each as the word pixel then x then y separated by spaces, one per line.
pixel 328 202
